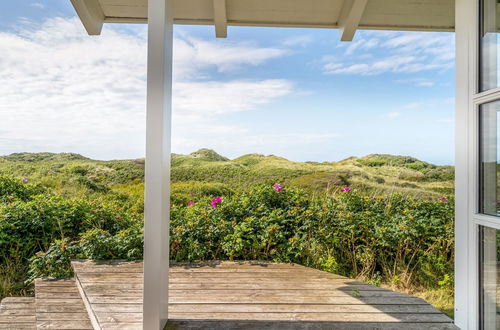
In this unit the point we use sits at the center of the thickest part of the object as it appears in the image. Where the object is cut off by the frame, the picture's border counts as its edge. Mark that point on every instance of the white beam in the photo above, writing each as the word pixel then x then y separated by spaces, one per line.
pixel 349 18
pixel 157 174
pixel 220 18
pixel 91 15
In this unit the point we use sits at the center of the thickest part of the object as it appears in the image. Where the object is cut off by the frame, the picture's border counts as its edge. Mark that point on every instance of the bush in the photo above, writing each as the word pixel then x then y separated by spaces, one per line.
pixel 393 239
pixel 12 189
pixel 53 263
pixel 388 237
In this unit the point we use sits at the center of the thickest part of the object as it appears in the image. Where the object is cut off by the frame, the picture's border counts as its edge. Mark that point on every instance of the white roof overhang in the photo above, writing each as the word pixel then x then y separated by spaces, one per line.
pixel 346 15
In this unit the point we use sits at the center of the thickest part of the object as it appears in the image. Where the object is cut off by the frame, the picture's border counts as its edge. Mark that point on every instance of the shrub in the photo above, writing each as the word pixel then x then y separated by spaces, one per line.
pixel 394 238
pixel 12 189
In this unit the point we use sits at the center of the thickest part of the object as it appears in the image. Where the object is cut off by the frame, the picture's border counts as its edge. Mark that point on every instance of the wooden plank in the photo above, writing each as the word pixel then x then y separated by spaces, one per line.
pixel 332 317
pixel 272 286
pixel 66 308
pixel 307 325
pixel 17 306
pixel 119 317
pixel 297 300
pixel 120 285
pixel 58 295
pixel 220 18
pixel 60 301
pixel 78 324
pixel 91 15
pixel 112 308
pixel 255 293
pixel 62 316
pixel 280 279
pixel 114 300
pixel 122 325
pixel 255 270
pixel 18 326
pixel 18 312
pixel 264 273
pixel 17 318
pixel 10 300
pixel 51 283
pixel 300 308
pixel 349 18
pixel 50 289
pixel 111 276
pixel 112 290
pixel 115 263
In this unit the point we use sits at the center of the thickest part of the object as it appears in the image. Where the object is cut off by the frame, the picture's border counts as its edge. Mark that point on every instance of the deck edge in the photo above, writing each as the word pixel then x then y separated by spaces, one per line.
pixel 86 303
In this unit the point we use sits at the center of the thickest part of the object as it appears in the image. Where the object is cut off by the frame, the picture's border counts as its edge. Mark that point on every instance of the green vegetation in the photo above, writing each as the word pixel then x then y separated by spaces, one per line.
pixel 392 228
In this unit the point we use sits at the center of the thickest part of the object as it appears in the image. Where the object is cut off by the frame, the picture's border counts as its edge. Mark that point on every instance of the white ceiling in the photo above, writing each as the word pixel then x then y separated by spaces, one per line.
pixel 424 15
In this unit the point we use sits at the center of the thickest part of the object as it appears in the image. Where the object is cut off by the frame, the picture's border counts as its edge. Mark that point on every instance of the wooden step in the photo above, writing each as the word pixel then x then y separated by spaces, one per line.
pixel 58 305
pixel 17 313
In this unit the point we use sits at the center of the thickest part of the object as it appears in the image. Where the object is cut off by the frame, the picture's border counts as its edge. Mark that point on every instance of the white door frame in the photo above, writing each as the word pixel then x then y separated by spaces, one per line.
pixel 157 172
pixel 466 312
pixel 467 216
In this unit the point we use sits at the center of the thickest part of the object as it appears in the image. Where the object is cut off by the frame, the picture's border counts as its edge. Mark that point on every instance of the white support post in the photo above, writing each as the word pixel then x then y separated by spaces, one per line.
pixel 157 174
pixel 465 266
pixel 349 18
pixel 220 18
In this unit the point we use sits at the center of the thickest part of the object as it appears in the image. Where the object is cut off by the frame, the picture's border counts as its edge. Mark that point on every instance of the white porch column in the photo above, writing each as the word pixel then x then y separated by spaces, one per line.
pixel 464 10
pixel 157 180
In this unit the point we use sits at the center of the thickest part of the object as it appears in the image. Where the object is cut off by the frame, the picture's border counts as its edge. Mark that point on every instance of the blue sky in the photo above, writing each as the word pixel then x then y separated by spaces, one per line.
pixel 297 93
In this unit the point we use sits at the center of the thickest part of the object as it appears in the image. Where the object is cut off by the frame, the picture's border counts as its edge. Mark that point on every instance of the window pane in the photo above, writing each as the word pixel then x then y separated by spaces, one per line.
pixel 490 285
pixel 489 45
pixel 489 152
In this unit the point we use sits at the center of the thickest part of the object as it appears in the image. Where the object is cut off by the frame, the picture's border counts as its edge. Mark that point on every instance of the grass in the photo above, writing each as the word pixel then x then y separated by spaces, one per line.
pixel 206 173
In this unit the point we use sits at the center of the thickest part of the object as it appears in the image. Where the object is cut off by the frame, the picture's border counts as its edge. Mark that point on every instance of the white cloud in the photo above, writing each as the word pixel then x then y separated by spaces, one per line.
pixel 408 52
pixel 61 90
pixel 299 40
pixel 393 114
pixel 38 5
pixel 361 44
pixel 208 99
pixel 419 82
pixel 438 102
pixel 193 54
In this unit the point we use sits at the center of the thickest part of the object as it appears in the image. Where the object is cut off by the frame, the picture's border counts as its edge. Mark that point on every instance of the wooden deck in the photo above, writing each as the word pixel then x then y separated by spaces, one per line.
pixel 17 313
pixel 58 305
pixel 250 295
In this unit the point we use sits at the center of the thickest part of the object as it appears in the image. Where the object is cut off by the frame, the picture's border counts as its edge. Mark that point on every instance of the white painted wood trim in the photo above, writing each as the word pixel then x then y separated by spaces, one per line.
pixel 349 18
pixel 157 174
pixel 220 18
pixel 232 22
pixel 463 225
pixel 91 15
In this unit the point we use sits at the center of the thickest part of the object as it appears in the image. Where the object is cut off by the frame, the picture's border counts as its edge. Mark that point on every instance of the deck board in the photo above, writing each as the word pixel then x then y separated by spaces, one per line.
pixel 250 295
pixel 17 313
pixel 60 306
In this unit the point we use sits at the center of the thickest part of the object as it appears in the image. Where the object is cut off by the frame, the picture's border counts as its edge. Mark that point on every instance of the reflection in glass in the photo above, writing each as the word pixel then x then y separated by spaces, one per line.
pixel 490 284
pixel 489 152
pixel 489 45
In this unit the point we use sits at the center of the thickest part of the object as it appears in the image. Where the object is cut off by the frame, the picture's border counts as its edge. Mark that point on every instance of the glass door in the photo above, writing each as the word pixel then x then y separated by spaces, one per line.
pixel 486 111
